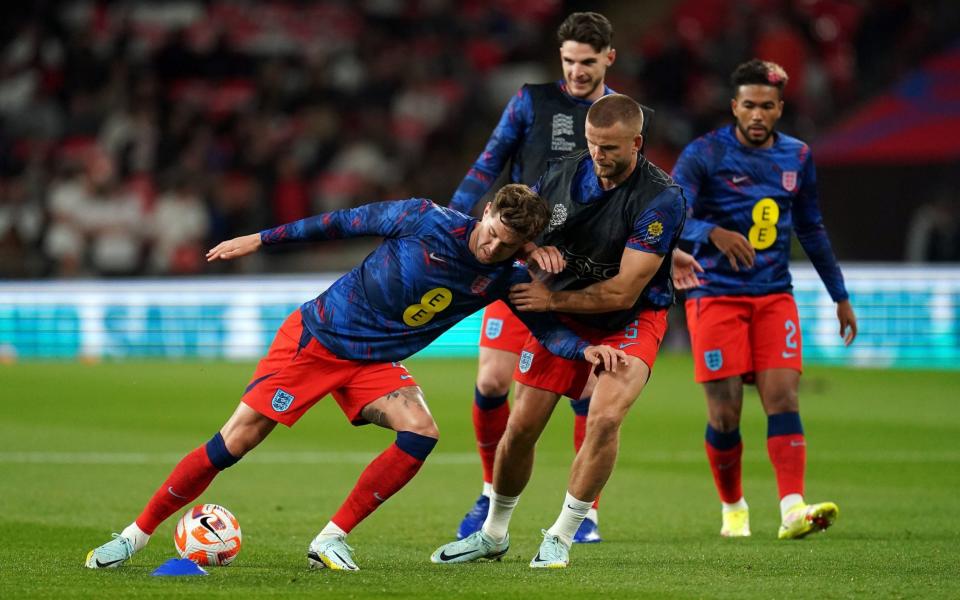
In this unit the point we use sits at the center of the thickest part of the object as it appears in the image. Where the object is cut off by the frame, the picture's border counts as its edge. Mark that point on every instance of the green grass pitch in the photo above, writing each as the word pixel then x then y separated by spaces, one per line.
pixel 82 447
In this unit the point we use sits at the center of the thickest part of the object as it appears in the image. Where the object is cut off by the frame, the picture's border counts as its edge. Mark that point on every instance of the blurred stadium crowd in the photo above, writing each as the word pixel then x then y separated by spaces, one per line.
pixel 134 134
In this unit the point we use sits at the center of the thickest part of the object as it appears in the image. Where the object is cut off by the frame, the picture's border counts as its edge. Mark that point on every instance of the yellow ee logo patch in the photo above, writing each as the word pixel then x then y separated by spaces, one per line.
pixel 763 233
pixel 434 301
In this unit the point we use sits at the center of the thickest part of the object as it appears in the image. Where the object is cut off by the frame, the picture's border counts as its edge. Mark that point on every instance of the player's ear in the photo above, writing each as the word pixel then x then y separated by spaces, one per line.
pixel 638 143
pixel 733 105
pixel 611 55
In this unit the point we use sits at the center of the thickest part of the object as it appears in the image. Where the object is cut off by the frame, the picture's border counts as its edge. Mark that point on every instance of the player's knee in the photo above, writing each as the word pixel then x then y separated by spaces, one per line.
pixel 604 425
pixel 420 423
pixel 782 400
pixel 520 435
pixel 491 382
pixel 724 417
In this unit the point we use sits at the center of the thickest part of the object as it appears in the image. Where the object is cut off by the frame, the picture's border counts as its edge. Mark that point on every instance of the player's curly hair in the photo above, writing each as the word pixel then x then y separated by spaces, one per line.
pixel 521 209
pixel 586 28
pixel 759 72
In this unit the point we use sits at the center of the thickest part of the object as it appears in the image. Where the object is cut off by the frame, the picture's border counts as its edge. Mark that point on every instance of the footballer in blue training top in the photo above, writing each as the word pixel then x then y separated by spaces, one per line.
pixel 434 267
pixel 748 187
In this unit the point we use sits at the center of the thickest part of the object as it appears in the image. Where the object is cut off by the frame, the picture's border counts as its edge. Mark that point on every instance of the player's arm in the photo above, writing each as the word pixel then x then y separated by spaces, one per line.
pixel 651 240
pixel 503 143
pixel 690 172
pixel 561 341
pixel 808 225
pixel 383 219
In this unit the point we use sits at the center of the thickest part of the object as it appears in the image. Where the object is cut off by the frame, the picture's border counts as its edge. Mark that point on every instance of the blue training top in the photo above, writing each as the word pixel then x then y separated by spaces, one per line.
pixel 764 194
pixel 418 283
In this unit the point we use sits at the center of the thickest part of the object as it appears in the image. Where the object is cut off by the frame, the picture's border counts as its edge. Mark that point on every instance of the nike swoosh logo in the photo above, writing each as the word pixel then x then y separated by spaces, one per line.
pixel 176 495
pixel 627 345
pixel 445 556
pixel 406 376
pixel 104 565
pixel 206 525
pixel 378 497
pixel 796 444
pixel 739 179
pixel 537 558
pixel 437 258
pixel 571 508
pixel 788 354
pixel 346 563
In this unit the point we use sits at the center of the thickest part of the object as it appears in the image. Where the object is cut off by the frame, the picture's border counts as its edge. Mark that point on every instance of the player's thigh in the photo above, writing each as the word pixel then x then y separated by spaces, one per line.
pixel 719 336
pixel 616 392
pixel 531 411
pixel 775 334
pixel 403 409
pixel 778 390
pixel 245 429
pixel 368 382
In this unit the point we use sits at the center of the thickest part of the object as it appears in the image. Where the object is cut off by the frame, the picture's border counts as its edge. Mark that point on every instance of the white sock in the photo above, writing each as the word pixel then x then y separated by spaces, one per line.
pixel 487 489
pixel 593 515
pixel 571 515
pixel 740 504
pixel 788 502
pixel 136 536
pixel 330 531
pixel 498 519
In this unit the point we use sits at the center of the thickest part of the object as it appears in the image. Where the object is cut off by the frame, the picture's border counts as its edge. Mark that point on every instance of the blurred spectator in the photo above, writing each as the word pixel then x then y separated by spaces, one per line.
pixel 934 231
pixel 178 228
pixel 268 111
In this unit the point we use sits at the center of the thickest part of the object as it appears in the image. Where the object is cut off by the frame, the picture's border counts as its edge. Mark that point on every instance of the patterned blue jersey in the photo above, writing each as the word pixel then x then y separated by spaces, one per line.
pixel 762 193
pixel 417 284
pixel 505 144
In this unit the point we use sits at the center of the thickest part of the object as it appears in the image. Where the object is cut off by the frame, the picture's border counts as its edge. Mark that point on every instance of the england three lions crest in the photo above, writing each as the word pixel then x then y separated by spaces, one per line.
pixel 789 180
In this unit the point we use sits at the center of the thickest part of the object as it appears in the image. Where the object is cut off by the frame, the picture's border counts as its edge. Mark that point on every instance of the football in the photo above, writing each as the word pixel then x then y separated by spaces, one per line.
pixel 209 535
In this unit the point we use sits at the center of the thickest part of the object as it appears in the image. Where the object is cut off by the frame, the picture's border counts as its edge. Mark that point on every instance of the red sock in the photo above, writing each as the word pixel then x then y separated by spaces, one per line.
pixel 381 479
pixel 788 454
pixel 580 432
pixel 726 468
pixel 189 478
pixel 489 425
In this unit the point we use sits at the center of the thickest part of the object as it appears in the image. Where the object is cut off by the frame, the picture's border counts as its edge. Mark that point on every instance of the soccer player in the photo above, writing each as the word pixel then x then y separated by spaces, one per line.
pixel 615 216
pixel 435 267
pixel 541 122
pixel 748 186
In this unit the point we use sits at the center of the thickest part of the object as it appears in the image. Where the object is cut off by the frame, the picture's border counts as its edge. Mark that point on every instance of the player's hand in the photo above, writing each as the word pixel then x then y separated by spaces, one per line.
pixel 608 356
pixel 734 246
pixel 848 322
pixel 235 248
pixel 685 269
pixel 548 258
pixel 531 297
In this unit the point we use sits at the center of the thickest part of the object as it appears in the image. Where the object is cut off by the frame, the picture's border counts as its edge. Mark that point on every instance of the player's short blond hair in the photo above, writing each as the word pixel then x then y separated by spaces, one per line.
pixel 616 108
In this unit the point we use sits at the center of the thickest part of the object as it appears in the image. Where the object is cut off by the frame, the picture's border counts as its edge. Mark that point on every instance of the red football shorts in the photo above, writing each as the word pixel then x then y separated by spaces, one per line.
pixel 501 329
pixel 741 335
pixel 540 368
pixel 297 372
